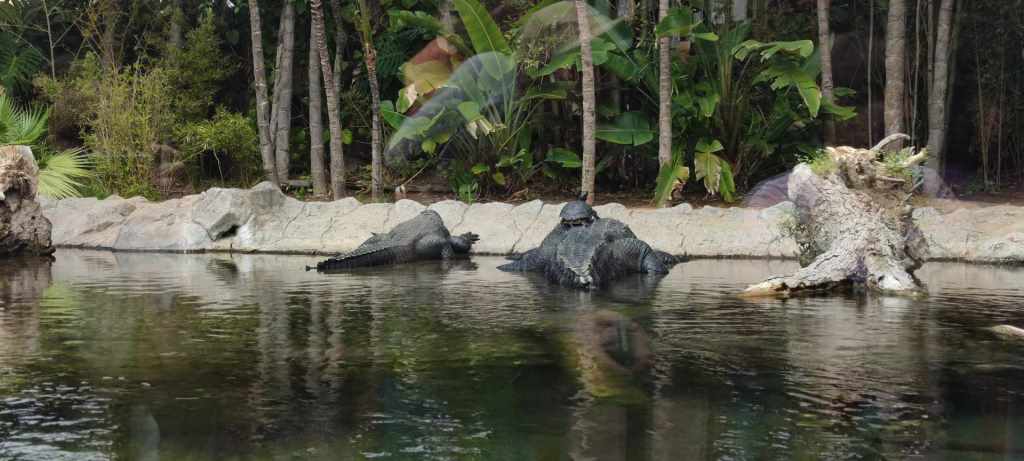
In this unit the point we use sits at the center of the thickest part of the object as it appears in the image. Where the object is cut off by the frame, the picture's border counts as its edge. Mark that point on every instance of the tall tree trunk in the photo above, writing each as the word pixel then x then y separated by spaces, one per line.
pixel 175 34
pixel 370 58
pixel 589 100
pixel 895 67
pixel 825 45
pixel 333 114
pixel 316 119
pixel 340 40
pixel 664 95
pixel 262 111
pixel 283 93
pixel 939 86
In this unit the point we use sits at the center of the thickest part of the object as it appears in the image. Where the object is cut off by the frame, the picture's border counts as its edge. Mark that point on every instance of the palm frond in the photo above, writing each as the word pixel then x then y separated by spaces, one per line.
pixel 21 126
pixel 60 173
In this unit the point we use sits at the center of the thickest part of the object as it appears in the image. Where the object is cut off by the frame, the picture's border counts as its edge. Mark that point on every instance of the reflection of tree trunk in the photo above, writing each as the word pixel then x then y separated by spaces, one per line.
pixel 262 111
pixel 283 93
pixel 664 95
pixel 895 62
pixel 589 100
pixel 825 47
pixel 333 114
pixel 939 88
pixel 856 224
pixel 316 120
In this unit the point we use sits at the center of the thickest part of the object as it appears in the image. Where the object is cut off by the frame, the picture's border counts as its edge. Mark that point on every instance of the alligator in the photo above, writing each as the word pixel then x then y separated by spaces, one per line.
pixel 421 238
pixel 587 251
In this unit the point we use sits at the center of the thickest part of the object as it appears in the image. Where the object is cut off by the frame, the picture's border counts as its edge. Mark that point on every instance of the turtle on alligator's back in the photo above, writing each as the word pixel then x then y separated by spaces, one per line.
pixel 423 237
pixel 586 251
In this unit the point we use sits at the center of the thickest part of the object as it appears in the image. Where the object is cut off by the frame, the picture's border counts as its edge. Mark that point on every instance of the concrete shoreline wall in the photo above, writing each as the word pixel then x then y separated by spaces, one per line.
pixel 264 220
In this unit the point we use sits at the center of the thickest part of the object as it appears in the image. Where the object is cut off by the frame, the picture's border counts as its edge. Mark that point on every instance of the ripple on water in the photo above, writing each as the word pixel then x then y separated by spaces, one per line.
pixel 224 356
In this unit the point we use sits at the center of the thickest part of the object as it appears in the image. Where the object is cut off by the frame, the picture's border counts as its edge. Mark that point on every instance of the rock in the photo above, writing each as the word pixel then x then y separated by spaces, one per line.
pixel 494 223
pixel 164 226
pixel 87 222
pixel 451 212
pixel 545 220
pixel 263 219
pixel 1008 332
pixel 990 234
pixel 222 211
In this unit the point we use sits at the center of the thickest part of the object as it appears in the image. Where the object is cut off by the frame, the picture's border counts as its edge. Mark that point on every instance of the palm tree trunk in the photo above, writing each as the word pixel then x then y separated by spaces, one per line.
pixel 589 101
pixel 316 119
pixel 895 67
pixel 939 86
pixel 370 58
pixel 339 43
pixel 333 114
pixel 283 93
pixel 262 111
pixel 825 45
pixel 664 95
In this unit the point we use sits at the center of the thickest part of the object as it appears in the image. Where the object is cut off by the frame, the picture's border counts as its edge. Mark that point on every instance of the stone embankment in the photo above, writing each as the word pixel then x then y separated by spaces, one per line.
pixel 262 219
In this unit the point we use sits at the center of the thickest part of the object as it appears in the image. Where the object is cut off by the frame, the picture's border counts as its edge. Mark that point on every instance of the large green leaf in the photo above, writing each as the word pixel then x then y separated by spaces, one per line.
pixel 59 173
pixel 20 126
pixel 715 171
pixel 679 22
pixel 393 118
pixel 670 178
pixel 630 128
pixel 428 22
pixel 564 157
pixel 483 32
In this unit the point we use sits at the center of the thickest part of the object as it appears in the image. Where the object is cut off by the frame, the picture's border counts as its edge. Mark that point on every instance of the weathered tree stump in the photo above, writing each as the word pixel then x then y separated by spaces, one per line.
pixel 853 223
pixel 23 228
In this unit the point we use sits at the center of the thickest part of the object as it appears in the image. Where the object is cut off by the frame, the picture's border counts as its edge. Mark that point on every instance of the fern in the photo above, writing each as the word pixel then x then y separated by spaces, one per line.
pixel 20 126
pixel 60 174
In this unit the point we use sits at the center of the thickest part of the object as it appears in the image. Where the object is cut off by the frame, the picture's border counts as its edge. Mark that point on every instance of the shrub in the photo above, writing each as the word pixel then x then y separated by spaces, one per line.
pixel 196 71
pixel 229 138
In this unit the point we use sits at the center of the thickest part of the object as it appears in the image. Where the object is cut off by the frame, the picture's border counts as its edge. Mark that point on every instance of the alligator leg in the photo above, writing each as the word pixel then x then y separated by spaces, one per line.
pixel 463 243
pixel 526 262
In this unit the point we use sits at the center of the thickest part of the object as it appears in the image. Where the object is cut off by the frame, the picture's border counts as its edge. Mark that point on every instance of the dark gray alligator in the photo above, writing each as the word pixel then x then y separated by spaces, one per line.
pixel 586 251
pixel 420 238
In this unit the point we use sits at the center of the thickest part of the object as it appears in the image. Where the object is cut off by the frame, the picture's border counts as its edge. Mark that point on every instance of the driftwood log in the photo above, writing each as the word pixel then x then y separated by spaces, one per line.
pixel 853 223
pixel 23 228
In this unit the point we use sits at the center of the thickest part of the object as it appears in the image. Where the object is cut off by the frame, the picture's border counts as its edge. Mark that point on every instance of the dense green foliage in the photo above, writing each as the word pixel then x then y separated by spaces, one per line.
pixel 491 99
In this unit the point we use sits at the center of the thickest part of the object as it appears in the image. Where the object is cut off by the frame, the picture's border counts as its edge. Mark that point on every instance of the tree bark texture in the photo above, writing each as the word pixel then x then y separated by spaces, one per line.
pixel 283 93
pixel 370 59
pixel 262 105
pixel 825 47
pixel 854 225
pixel 939 87
pixel 589 101
pixel 340 40
pixel 316 118
pixel 333 114
pixel 664 94
pixel 23 228
pixel 895 67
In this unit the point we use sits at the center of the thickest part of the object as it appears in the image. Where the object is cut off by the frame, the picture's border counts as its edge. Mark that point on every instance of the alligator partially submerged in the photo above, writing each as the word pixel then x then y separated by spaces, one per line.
pixel 421 238
pixel 586 251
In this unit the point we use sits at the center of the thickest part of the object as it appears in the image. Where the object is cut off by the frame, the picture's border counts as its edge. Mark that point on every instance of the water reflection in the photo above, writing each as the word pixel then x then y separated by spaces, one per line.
pixel 154 356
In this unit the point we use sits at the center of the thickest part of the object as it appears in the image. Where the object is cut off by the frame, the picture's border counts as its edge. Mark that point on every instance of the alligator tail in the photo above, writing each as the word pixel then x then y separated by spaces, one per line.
pixel 376 257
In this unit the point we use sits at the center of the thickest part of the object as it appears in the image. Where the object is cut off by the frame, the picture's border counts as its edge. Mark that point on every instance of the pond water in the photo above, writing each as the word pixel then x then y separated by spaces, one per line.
pixel 222 357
